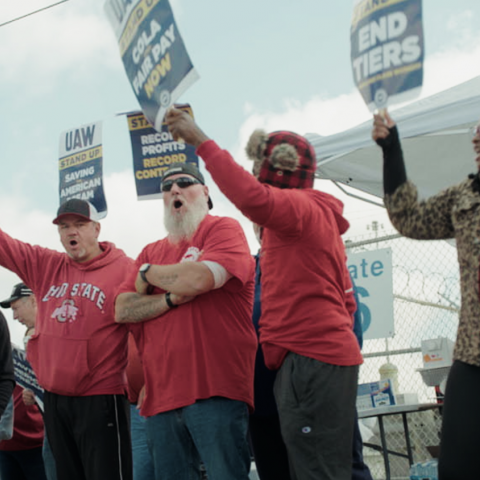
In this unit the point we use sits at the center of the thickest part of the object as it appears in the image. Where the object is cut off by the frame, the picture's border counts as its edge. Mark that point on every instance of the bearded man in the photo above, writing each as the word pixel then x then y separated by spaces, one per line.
pixel 192 295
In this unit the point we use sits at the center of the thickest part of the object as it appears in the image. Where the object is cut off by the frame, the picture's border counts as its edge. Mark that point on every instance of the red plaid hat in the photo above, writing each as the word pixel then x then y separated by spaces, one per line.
pixel 282 159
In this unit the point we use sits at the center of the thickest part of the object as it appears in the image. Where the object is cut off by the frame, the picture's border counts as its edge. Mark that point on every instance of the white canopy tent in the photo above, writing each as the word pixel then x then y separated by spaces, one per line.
pixel 435 139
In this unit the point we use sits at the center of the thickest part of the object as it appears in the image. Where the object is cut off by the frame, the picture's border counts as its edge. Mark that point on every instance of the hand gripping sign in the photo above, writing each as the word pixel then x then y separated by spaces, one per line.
pixel 153 53
pixel 154 152
pixel 387 50
pixel 25 376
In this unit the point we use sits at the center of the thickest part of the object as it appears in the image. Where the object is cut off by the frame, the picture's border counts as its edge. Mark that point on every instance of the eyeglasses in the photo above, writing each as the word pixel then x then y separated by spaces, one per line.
pixel 474 131
pixel 182 182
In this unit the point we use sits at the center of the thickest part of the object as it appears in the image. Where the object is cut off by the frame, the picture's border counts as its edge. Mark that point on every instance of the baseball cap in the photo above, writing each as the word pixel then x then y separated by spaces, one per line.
pixel 189 169
pixel 78 207
pixel 19 290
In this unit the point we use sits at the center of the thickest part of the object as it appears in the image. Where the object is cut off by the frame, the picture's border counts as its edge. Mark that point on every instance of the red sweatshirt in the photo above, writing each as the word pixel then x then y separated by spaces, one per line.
pixel 27 425
pixel 305 281
pixel 77 349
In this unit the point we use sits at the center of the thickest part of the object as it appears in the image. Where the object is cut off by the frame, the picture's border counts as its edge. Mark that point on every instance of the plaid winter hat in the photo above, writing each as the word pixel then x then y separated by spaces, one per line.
pixel 282 159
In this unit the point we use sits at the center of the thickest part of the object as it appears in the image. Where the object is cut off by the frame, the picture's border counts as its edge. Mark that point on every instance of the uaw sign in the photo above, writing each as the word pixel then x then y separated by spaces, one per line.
pixel 372 273
pixel 153 53
pixel 80 166
pixel 387 50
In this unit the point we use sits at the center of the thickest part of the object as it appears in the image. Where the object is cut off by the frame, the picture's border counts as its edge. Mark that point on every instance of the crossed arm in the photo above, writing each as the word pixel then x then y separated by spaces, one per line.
pixel 183 280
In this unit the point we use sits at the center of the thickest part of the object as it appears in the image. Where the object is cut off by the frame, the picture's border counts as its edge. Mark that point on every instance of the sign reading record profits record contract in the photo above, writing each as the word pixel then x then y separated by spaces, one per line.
pixel 153 54
pixel 154 152
pixel 81 166
pixel 387 50
pixel 372 274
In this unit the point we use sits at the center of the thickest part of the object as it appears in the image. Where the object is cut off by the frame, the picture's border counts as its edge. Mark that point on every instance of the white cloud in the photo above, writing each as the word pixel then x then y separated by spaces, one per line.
pixel 79 35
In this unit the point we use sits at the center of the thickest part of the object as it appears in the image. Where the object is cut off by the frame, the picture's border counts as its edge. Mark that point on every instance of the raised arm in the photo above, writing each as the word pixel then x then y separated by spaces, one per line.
pixel 427 219
pixel 265 206
pixel 385 133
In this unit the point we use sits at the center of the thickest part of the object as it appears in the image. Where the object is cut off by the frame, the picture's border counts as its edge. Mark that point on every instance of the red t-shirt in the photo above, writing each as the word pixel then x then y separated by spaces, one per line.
pixel 134 371
pixel 205 347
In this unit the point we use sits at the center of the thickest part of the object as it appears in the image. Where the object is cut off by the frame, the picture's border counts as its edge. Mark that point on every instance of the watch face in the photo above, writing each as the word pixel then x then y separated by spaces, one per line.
pixel 144 267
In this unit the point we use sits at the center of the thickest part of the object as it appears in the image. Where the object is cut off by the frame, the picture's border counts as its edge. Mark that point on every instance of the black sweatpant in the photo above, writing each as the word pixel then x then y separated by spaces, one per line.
pixel 89 436
pixel 316 404
pixel 460 446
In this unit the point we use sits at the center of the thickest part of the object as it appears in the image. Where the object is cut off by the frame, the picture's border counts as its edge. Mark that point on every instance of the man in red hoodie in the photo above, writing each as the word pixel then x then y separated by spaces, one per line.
pixel 78 352
pixel 306 324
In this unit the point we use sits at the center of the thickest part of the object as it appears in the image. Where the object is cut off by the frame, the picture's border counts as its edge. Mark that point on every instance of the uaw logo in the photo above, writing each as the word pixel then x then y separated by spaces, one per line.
pixel 66 313
pixel 191 255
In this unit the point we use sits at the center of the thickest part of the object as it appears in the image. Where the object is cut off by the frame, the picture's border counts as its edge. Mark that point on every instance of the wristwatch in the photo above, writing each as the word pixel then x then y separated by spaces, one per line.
pixel 168 301
pixel 143 270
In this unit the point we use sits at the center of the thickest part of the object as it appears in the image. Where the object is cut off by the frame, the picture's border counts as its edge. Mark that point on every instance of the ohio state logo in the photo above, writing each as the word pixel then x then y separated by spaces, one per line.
pixel 192 255
pixel 66 313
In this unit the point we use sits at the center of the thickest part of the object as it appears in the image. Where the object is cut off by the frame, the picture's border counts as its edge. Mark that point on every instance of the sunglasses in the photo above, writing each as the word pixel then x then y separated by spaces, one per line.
pixel 182 182
pixel 474 131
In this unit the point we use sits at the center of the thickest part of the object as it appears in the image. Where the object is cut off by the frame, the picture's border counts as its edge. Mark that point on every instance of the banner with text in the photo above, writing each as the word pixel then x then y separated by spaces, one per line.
pixel 153 53
pixel 153 152
pixel 373 276
pixel 81 166
pixel 24 374
pixel 387 50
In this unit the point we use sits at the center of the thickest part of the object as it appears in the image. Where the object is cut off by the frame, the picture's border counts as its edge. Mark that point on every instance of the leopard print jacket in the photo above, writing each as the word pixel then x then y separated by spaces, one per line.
pixel 452 213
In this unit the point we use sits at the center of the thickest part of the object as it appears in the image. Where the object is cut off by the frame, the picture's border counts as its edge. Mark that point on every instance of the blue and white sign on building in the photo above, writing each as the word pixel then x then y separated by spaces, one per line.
pixel 372 273
pixel 387 50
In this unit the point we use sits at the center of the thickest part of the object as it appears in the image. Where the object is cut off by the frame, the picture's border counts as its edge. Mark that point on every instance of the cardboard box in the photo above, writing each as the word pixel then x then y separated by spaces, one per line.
pixel 375 394
pixel 437 352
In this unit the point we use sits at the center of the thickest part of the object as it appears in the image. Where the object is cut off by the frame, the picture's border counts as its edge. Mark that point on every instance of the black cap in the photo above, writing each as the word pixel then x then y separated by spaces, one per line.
pixel 19 290
pixel 75 206
pixel 189 169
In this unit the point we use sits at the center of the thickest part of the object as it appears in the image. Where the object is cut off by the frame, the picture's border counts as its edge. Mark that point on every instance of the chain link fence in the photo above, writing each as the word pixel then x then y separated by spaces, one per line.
pixel 426 290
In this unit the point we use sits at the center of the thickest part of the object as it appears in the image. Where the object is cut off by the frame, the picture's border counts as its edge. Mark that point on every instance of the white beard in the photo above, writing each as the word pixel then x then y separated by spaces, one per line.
pixel 183 226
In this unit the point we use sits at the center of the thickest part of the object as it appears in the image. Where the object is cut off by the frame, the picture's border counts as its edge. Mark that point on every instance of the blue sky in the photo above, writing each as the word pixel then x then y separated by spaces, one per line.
pixel 262 64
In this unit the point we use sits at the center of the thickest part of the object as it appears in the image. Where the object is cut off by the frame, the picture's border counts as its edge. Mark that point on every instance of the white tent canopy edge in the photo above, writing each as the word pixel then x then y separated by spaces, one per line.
pixel 435 139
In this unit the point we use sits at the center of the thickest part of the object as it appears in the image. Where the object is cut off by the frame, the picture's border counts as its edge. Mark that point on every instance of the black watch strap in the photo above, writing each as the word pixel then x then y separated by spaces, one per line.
pixel 143 270
pixel 168 301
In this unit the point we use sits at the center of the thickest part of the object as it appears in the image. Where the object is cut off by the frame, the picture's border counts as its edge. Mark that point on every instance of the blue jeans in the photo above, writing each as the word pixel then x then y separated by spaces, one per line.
pixel 49 460
pixel 142 460
pixel 212 431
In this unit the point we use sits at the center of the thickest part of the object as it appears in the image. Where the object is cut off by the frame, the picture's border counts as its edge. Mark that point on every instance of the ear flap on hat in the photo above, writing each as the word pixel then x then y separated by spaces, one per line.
pixel 285 157
pixel 255 149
